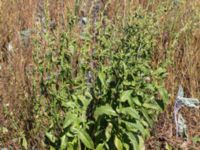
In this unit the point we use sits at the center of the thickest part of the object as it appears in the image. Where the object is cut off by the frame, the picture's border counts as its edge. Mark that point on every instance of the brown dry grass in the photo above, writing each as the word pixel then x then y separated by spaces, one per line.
pixel 14 61
pixel 184 52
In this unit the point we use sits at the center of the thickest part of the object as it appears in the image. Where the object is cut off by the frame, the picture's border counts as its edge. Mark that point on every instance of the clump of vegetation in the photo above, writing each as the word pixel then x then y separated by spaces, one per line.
pixel 100 92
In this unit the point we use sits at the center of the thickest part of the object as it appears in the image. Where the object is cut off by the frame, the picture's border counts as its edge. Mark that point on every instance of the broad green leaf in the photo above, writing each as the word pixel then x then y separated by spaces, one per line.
pixel 63 144
pixel 85 138
pixel 130 126
pixel 146 116
pixel 52 148
pixel 141 143
pixel 150 87
pixel 133 140
pixel 108 131
pixel 51 137
pixel 70 146
pixel 67 123
pixel 130 111
pixel 102 78
pixel 88 94
pixel 71 104
pixel 161 72
pixel 107 110
pixel 144 123
pixel 24 143
pixel 125 95
pixel 100 147
pixel 83 100
pixel 140 127
pixel 118 143
pixel 69 134
pixel 151 106
pixel 126 146
pixel 69 120
pixel 136 101
pixel 164 95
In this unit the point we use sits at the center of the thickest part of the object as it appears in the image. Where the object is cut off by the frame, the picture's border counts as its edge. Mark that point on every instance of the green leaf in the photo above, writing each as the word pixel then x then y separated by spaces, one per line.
pixel 161 72
pixel 107 110
pixel 130 111
pixel 69 120
pixel 133 140
pixel 51 137
pixel 85 138
pixel 100 147
pixel 125 95
pixel 102 78
pixel 83 100
pixel 63 144
pixel 196 139
pixel 150 87
pixel 24 143
pixel 141 143
pixel 146 116
pixel 126 146
pixel 118 143
pixel 70 146
pixel 151 106
pixel 71 105
pixel 164 94
pixel 130 126
pixel 136 101
pixel 108 131
pixel 168 147
pixel 144 123
pixel 52 148
pixel 140 127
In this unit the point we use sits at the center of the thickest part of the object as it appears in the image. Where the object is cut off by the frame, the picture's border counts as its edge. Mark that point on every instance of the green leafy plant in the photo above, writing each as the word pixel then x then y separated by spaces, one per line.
pixel 104 99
